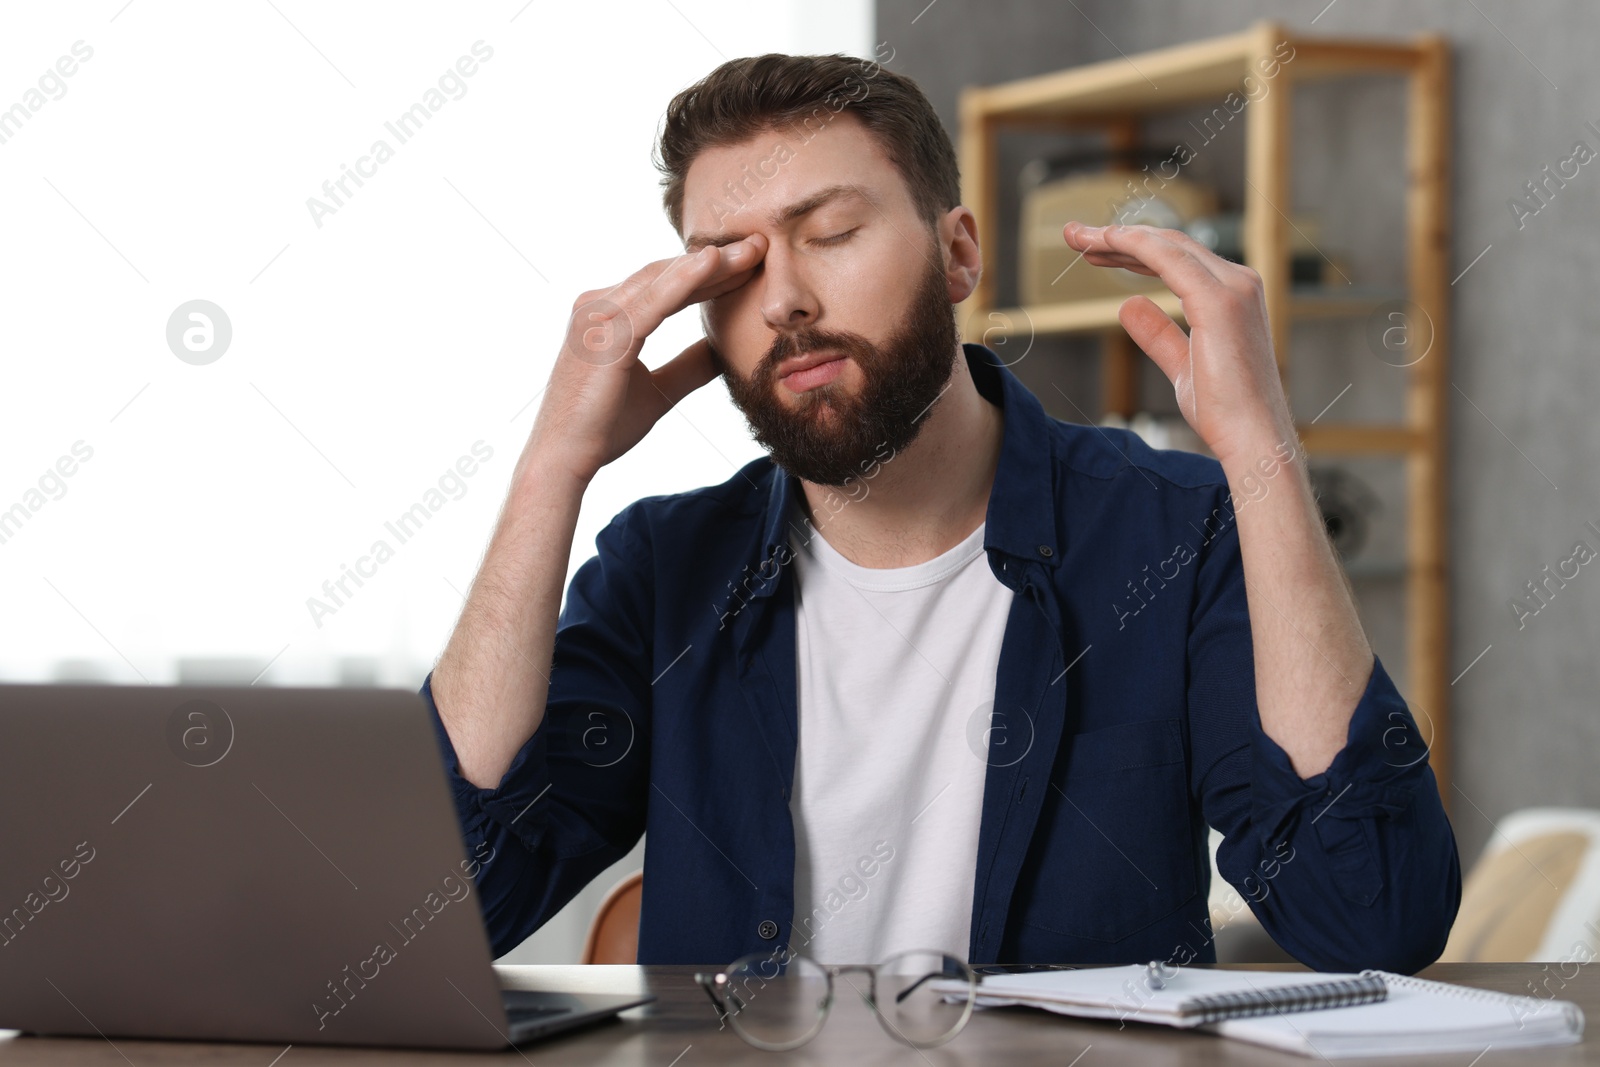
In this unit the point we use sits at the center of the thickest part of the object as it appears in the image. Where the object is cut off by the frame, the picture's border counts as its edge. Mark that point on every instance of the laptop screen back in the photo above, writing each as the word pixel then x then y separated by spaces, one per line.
pixel 269 864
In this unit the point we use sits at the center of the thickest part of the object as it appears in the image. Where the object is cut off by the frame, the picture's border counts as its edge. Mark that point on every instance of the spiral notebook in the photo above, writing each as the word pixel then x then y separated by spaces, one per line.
pixel 1323 1015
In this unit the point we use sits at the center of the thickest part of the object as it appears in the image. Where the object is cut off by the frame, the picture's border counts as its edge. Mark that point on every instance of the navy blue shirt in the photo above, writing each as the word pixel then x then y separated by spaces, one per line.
pixel 1124 723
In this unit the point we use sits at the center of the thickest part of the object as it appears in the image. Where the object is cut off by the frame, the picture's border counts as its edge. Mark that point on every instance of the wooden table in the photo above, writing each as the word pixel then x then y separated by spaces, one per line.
pixel 680 1029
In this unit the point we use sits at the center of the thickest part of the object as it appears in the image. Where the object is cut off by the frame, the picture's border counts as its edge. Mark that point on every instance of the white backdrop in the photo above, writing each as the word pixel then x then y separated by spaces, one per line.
pixel 164 520
pixel 156 153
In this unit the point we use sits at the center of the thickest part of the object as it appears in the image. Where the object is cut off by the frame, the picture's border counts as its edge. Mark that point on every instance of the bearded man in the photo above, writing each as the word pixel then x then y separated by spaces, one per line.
pixel 938 672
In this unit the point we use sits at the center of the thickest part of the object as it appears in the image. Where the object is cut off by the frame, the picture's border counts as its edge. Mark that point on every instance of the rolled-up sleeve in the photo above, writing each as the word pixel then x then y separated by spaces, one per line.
pixel 573 800
pixel 1353 867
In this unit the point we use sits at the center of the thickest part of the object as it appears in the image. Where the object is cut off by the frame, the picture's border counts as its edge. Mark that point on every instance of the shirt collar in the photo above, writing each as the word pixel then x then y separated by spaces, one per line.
pixel 1021 517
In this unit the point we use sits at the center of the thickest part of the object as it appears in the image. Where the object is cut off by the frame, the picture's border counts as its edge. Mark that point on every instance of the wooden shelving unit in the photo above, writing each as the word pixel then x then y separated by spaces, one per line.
pixel 1114 97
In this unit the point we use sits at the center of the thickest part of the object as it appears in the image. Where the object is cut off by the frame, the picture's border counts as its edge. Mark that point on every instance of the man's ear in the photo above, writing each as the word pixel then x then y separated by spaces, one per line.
pixel 958 239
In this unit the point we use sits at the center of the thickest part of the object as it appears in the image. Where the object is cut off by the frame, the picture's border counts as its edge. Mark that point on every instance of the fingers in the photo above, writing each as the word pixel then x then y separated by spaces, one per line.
pixel 663 288
pixel 1164 341
pixel 1154 331
pixel 739 261
pixel 734 264
pixel 1188 267
pixel 731 265
pixel 685 372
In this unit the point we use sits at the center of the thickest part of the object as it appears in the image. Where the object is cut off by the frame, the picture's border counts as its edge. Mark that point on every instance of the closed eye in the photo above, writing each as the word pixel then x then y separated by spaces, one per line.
pixel 838 238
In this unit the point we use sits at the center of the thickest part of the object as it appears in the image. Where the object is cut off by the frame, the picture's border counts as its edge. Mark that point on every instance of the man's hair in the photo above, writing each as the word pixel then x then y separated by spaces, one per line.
pixel 777 92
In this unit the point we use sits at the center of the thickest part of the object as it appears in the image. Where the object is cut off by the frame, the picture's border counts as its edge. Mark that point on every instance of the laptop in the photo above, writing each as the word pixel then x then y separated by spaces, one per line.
pixel 237 864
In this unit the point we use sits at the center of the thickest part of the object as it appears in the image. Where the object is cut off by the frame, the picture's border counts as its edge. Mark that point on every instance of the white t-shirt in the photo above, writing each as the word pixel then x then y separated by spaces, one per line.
pixel 895 675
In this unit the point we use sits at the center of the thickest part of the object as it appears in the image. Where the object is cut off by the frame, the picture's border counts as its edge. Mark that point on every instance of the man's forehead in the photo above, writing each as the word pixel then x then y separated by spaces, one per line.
pixel 772 175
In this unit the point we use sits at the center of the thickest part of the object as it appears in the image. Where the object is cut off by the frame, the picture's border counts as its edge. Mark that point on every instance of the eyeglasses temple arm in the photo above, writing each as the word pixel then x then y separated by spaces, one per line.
pixel 704 982
pixel 912 988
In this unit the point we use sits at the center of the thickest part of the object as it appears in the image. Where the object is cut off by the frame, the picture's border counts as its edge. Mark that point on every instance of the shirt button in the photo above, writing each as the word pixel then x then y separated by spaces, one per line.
pixel 1046 551
pixel 768 929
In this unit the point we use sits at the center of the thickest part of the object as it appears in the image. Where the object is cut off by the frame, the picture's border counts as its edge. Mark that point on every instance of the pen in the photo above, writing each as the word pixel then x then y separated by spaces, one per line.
pixel 1021 968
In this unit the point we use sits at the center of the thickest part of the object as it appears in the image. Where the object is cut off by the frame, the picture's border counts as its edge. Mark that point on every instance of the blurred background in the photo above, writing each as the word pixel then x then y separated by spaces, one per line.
pixel 227 378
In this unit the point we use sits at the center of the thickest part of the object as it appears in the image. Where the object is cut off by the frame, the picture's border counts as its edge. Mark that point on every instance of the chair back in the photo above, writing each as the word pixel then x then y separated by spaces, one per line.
pixel 1534 894
pixel 614 931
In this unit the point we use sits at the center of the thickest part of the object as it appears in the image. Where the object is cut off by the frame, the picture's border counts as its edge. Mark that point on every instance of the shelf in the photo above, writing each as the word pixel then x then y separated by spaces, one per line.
pixel 1074 316
pixel 1339 301
pixel 1114 99
pixel 1086 316
pixel 1170 78
pixel 1343 439
pixel 1361 439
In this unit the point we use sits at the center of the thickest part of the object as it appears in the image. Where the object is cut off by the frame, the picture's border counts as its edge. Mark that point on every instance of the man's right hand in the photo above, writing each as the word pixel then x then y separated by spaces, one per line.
pixel 491 683
pixel 601 400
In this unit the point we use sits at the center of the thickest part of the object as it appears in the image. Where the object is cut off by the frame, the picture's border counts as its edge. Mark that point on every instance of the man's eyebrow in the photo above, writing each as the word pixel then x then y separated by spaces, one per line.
pixel 785 215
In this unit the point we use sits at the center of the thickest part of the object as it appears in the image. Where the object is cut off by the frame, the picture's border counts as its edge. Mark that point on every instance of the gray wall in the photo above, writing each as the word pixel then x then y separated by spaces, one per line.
pixel 1522 433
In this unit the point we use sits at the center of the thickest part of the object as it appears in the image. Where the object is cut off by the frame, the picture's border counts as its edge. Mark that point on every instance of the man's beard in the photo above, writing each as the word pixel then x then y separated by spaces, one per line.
pixel 827 435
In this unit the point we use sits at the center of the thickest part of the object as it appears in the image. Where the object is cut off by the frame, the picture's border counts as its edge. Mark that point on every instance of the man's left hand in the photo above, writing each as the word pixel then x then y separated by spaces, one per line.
pixel 1223 370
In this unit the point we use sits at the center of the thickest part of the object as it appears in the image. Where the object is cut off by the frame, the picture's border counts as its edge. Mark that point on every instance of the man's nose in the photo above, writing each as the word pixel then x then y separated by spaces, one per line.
pixel 788 299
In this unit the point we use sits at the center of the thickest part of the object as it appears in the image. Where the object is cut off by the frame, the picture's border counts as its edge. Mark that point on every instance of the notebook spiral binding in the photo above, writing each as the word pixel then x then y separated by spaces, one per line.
pixel 1335 993
pixel 1512 1001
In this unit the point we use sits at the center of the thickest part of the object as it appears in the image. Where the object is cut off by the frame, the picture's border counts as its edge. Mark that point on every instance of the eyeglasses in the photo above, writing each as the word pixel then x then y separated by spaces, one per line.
pixel 779 1000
